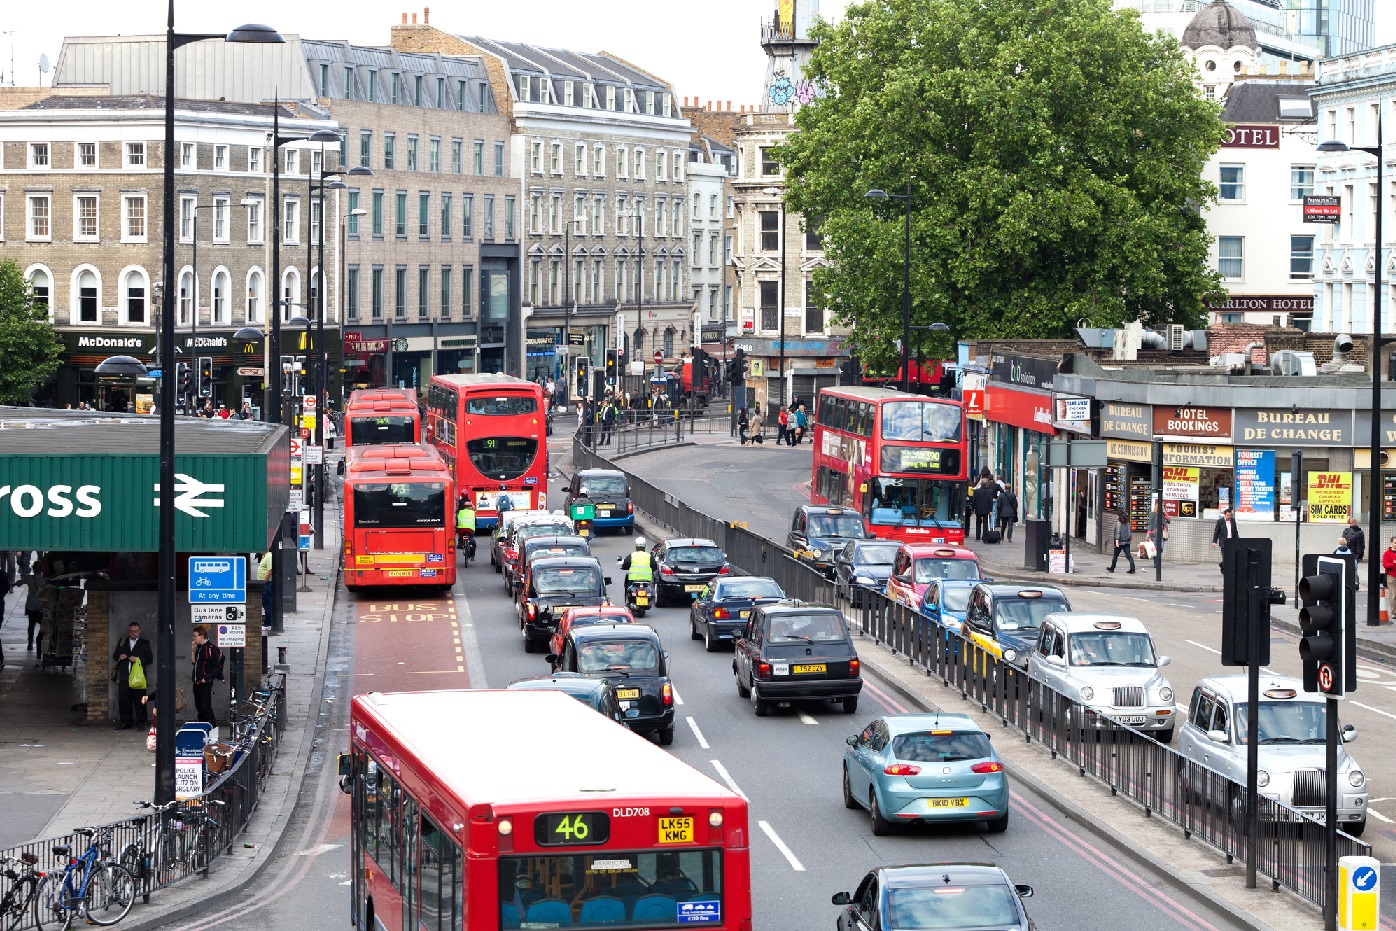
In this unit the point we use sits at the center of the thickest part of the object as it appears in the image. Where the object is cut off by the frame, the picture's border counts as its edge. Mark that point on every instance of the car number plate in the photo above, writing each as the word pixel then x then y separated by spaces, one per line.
pixel 743 614
pixel 799 668
pixel 401 573
pixel 1132 719
pixel 627 693
pixel 947 803
pixel 676 830
pixel 780 669
pixel 694 588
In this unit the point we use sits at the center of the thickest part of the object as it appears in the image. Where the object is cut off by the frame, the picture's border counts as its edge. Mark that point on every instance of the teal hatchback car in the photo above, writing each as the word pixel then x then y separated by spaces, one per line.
pixel 906 768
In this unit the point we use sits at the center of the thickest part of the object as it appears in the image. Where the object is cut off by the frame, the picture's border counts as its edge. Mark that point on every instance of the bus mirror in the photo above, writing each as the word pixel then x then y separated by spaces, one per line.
pixel 863 488
pixel 344 764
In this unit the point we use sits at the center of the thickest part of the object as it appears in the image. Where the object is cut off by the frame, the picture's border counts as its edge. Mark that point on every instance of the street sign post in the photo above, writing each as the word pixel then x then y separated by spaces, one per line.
pixel 217 579
pixel 233 636
pixel 218 614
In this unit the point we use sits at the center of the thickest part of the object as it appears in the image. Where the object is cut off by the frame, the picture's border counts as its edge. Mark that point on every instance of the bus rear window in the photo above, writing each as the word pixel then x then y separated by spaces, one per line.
pixel 607 888
pixel 502 457
pixel 502 406
pixel 400 504
pixel 390 429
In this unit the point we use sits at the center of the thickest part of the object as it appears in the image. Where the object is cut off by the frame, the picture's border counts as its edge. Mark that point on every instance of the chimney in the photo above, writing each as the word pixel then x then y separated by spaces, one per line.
pixel 404 19
pixel 414 19
pixel 1284 67
pixel 710 105
pixel 426 15
pixel 729 106
pixel 685 101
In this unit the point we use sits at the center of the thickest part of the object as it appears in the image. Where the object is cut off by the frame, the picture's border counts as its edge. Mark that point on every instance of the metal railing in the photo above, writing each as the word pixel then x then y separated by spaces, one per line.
pixel 1202 802
pixel 188 841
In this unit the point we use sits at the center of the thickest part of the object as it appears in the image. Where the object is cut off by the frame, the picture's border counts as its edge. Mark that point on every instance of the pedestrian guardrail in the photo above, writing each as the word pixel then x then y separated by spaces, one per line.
pixel 162 848
pixel 1204 803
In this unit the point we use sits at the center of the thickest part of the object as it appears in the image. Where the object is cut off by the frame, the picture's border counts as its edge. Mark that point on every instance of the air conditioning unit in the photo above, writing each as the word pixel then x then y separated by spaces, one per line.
pixel 1175 337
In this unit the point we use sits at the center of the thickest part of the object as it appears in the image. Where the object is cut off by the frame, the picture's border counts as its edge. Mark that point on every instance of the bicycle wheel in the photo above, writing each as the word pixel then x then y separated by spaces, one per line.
pixel 111 891
pixel 136 861
pixel 17 908
pixel 50 910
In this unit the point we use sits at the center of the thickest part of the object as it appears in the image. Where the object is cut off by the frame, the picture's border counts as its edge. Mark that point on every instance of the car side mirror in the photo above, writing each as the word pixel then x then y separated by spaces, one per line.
pixel 1349 733
pixel 344 760
pixel 1024 891
pixel 1164 661
pixel 842 898
pixel 985 578
pixel 851 740
pixel 1217 737
pixel 1054 660
pixel 552 658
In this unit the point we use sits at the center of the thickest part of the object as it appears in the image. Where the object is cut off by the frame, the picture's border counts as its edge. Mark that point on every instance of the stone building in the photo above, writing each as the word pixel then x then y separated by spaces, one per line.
pixel 81 213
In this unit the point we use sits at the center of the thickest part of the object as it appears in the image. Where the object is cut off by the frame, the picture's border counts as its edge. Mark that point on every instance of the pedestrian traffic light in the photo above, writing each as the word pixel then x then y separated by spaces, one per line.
pixel 611 360
pixel 1326 622
pixel 206 376
pixel 581 376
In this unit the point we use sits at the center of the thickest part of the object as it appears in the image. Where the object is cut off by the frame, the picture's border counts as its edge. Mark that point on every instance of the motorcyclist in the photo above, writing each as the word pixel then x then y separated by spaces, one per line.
pixel 465 525
pixel 638 566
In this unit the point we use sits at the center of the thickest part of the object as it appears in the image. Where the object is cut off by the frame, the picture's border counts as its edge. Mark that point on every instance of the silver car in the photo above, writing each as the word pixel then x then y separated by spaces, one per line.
pixel 1293 727
pixel 1107 663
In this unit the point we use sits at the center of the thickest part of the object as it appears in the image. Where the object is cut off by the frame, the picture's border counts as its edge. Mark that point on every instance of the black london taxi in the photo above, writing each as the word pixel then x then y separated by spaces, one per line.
pixel 632 658
pixel 555 584
pixel 791 651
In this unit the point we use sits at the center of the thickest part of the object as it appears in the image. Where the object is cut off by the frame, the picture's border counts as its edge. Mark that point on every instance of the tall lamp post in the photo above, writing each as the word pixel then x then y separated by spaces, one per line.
pixel 165 604
pixel 780 391
pixel 877 194
pixel 1374 489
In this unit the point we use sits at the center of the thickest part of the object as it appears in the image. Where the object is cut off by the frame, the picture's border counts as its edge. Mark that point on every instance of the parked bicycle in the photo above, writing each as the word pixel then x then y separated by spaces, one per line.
pixel 21 892
pixel 92 886
pixel 175 845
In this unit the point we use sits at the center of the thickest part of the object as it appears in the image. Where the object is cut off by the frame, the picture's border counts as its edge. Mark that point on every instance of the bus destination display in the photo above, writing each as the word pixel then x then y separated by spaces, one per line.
pixel 571 828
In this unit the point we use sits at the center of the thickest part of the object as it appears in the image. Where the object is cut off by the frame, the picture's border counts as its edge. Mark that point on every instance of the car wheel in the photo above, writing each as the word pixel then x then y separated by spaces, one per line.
pixel 850 704
pixel 710 643
pixel 693 630
pixel 742 690
pixel 666 736
pixel 848 800
pixel 880 825
pixel 1354 828
pixel 528 644
pixel 497 566
pixel 998 825
pixel 1165 736
pixel 759 704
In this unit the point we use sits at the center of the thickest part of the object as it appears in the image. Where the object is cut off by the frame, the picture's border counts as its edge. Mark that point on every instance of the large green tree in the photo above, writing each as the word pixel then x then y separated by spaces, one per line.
pixel 28 344
pixel 1055 153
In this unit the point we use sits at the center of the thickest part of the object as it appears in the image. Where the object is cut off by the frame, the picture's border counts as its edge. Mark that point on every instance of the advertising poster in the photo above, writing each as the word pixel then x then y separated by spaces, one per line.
pixel 1255 483
pixel 1180 484
pixel 1330 497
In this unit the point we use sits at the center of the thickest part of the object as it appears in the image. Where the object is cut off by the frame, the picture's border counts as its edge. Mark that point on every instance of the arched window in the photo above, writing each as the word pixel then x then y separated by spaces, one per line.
pixel 219 314
pixel 186 298
pixel 669 342
pixel 290 294
pixel 639 345
pixel 87 290
pixel 133 297
pixel 42 283
pixel 254 296
pixel 313 292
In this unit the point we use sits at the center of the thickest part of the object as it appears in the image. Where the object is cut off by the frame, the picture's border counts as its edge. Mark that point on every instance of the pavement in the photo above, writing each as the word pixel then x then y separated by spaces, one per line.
pixel 59 771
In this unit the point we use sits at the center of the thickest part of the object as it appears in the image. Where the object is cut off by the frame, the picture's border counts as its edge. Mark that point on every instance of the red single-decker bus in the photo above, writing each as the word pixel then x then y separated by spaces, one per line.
pixel 899 459
pixel 399 517
pixel 588 827
pixel 492 430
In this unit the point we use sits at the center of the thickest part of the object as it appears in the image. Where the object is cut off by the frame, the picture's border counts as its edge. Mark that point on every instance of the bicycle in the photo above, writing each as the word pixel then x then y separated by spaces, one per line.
pixel 92 886
pixel 18 902
pixel 173 847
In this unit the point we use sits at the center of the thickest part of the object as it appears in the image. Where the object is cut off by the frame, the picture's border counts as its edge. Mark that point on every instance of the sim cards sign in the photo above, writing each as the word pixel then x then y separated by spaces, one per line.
pixel 700 912
pixel 217 579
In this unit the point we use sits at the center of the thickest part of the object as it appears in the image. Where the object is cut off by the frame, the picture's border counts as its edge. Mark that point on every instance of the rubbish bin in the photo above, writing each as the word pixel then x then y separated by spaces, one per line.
pixel 1037 538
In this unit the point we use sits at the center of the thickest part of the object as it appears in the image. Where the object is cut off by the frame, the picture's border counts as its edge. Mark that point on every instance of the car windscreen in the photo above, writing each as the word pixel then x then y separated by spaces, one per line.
pixel 955 598
pixel 1285 722
pixel 813 628
pixel 630 656
pixel 929 568
pixel 835 525
pixel 1015 614
pixel 695 555
pixel 374 430
pixel 940 748
pixel 603 485
pixel 748 588
pixel 502 406
pixel 528 531
pixel 400 504
pixel 566 580
pixel 1110 648
pixel 875 555
pixel 942 906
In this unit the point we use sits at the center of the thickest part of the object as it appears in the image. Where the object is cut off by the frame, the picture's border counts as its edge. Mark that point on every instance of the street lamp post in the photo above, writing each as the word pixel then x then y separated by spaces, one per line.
pixel 876 194
pixel 1374 489
pixel 165 601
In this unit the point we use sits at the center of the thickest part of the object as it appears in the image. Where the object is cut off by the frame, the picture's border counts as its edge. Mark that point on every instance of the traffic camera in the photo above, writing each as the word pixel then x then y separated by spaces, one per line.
pixel 1328 634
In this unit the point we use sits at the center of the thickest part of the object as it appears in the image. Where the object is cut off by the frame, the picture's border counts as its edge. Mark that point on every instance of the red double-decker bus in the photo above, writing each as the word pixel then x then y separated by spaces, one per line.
pixel 593 828
pixel 382 415
pixel 399 517
pixel 492 431
pixel 899 459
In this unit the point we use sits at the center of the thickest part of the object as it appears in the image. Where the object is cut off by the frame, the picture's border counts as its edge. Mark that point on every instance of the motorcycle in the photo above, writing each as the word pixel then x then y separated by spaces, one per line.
pixel 639 595
pixel 465 542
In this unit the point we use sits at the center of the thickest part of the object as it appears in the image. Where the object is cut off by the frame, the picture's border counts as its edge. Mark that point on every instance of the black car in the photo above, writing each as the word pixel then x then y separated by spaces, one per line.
pixel 863 565
pixel 948 896
pixel 817 532
pixel 791 651
pixel 683 568
pixel 549 545
pixel 514 543
pixel 631 657
pixel 554 584
pixel 609 490
pixel 721 611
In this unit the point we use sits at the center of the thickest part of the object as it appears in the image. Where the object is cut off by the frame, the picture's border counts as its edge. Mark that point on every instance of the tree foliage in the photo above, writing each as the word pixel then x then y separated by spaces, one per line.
pixel 28 344
pixel 1055 152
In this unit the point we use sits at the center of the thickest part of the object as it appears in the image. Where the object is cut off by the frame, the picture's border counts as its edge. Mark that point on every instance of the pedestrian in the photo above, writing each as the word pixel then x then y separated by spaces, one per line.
pixel 1355 538
pixel 208 668
pixel 1008 511
pixel 1225 530
pixel 1123 535
pixel 754 427
pixel 264 568
pixel 608 422
pixel 983 503
pixel 801 425
pixel 34 610
pixel 1388 565
pixel 1342 549
pixel 783 425
pixel 132 649
pixel 1158 531
pixel 245 413
pixel 743 421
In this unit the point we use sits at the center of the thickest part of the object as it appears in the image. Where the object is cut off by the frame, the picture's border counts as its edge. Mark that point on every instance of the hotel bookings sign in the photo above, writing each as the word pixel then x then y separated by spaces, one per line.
pixel 1330 497
pixel 1212 423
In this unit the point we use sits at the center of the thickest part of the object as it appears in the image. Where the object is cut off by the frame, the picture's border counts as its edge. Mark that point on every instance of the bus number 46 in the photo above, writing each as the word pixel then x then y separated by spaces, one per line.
pixel 573 828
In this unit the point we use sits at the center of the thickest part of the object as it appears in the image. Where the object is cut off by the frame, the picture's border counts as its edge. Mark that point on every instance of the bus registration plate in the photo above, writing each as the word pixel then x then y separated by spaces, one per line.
pixel 676 830
pixel 400 573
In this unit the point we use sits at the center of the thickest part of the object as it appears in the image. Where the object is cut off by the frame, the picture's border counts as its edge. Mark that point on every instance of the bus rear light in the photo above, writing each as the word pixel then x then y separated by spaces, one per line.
pixel 505 826
pixel 763 670
pixel 853 667
pixel 668 692
pixel 902 769
pixel 715 819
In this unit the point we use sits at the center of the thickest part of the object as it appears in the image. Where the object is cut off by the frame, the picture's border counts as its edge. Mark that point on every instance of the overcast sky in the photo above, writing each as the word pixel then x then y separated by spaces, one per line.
pixel 709 50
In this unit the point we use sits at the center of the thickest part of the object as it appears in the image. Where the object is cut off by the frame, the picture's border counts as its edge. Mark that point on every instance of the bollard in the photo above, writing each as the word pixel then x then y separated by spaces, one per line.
pixel 1359 893
pixel 280 656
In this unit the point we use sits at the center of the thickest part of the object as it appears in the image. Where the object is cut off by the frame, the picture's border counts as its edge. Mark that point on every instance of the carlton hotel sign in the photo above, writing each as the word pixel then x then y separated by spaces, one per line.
pixel 1242 136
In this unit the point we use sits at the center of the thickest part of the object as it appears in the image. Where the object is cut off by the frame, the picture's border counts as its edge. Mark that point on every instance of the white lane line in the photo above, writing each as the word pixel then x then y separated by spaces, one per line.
pixel 806 719
pixel 1202 646
pixel 1385 714
pixel 795 863
pixel 693 725
pixel 727 778
pixel 1379 816
pixel 677 699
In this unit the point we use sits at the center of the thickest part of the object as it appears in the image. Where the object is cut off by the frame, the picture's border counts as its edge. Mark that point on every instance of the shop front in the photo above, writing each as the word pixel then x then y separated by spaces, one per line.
pixel 77 381
pixel 1020 424
pixel 811 365
pixel 1127 481
pixel 1198 465
pixel 1076 494
pixel 1266 440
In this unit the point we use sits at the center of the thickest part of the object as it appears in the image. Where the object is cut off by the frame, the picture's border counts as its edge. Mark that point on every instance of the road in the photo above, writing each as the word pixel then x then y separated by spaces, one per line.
pixel 805 844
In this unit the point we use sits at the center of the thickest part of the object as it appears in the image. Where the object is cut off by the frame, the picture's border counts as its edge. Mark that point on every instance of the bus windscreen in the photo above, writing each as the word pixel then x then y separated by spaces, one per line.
pixel 504 406
pixel 502 457
pixel 921 421
pixel 383 429
pixel 399 505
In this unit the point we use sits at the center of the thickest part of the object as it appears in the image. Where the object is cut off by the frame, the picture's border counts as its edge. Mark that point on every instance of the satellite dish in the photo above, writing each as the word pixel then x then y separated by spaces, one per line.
pixel 43 63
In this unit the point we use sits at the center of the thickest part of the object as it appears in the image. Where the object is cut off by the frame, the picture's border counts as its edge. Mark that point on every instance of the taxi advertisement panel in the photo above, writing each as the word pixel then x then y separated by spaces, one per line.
pixel 1330 497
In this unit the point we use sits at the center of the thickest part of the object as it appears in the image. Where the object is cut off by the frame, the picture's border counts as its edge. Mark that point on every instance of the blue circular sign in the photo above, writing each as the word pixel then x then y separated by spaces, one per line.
pixel 1364 878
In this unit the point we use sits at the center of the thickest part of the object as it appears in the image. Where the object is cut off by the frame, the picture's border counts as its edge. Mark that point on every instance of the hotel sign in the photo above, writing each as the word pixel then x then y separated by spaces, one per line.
pixel 1245 136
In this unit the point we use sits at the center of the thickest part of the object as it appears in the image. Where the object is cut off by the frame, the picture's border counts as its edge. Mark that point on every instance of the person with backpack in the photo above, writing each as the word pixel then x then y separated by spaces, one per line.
pixel 208 668
pixel 1355 538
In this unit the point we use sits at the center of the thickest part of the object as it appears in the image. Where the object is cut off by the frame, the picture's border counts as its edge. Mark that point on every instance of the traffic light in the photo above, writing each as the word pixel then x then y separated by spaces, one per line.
pixel 206 376
pixel 1245 591
pixel 611 366
pixel 739 367
pixel 183 386
pixel 1327 643
pixel 581 376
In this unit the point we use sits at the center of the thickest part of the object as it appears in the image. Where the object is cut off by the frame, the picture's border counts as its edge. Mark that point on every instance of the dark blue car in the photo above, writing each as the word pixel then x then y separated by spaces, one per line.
pixel 722 610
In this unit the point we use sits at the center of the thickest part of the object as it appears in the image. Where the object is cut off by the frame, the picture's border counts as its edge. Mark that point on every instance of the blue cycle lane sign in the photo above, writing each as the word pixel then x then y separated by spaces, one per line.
pixel 217 579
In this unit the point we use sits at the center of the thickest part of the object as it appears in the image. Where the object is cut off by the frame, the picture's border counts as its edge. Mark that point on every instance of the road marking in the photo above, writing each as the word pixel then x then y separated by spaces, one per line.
pixel 677 699
pixel 1379 816
pixel 795 864
pixel 806 719
pixel 1265 669
pixel 727 778
pixel 693 726
pixel 316 851
pixel 1386 714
